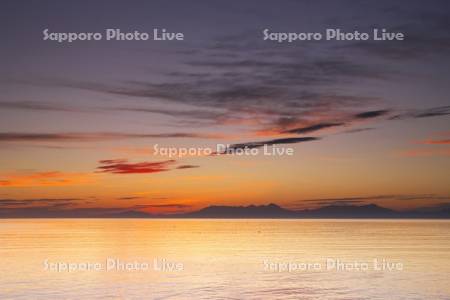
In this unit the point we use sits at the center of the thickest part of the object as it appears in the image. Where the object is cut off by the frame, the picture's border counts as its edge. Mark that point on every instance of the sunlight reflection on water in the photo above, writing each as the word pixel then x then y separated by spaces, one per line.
pixel 224 259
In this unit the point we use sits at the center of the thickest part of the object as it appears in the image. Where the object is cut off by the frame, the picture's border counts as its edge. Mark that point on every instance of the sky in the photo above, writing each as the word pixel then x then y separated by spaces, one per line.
pixel 368 121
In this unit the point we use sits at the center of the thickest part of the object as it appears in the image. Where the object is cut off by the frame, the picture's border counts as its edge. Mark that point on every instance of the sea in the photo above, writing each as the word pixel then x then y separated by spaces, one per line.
pixel 224 259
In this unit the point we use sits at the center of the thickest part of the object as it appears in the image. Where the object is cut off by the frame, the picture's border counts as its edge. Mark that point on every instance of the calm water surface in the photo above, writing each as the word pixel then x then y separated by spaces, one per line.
pixel 224 259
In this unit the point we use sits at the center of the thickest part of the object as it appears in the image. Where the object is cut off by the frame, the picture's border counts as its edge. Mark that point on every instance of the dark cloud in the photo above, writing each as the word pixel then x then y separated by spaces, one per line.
pixel 345 121
pixel 57 211
pixel 129 198
pixel 122 166
pixel 237 77
pixel 90 137
pixel 423 113
pixel 265 84
pixel 339 201
pixel 434 112
pixel 313 70
pixel 48 202
pixel 187 167
pixel 85 212
pixel 378 197
pixel 253 145
pixel 33 106
pixel 197 114
pixel 356 130
pixel 313 128
pixel 371 114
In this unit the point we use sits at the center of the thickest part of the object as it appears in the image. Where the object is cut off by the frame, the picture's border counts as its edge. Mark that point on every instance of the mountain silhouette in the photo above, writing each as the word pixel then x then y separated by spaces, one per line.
pixel 270 211
pixel 251 211
pixel 331 211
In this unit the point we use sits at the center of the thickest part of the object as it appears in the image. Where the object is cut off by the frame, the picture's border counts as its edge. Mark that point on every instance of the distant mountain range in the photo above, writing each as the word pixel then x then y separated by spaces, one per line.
pixel 273 211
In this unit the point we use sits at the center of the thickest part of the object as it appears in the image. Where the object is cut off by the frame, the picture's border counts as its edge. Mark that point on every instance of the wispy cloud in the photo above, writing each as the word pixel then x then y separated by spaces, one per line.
pixel 369 199
pixel 356 130
pixel 266 88
pixel 63 210
pixel 200 115
pixel 313 128
pixel 49 178
pixel 253 145
pixel 433 147
pixel 371 114
pixel 434 112
pixel 92 137
pixel 223 87
pixel 188 167
pixel 48 202
pixel 38 106
pixel 383 197
pixel 343 121
pixel 437 142
pixel 122 166
pixel 438 111
pixel 425 152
